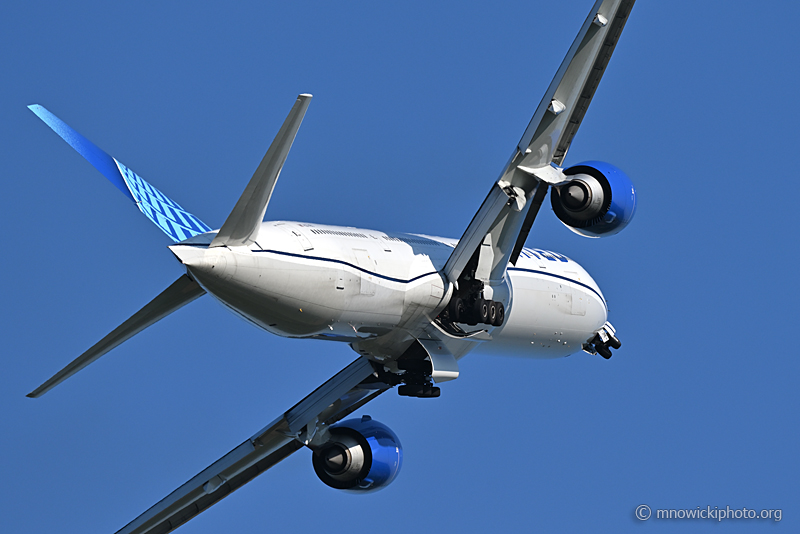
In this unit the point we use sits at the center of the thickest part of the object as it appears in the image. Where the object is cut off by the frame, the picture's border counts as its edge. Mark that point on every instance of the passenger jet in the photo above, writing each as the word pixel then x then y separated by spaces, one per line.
pixel 410 306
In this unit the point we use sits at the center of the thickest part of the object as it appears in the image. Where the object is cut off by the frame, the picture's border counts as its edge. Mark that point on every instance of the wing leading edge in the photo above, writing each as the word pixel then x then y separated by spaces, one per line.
pixel 508 212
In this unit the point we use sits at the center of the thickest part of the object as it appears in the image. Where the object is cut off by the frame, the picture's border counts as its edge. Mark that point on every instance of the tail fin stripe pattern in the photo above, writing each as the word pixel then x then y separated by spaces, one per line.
pixel 176 222
pixel 163 211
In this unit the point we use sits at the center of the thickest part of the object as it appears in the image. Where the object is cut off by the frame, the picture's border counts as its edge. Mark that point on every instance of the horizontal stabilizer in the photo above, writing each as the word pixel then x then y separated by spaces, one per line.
pixel 242 224
pixel 183 291
pixel 173 220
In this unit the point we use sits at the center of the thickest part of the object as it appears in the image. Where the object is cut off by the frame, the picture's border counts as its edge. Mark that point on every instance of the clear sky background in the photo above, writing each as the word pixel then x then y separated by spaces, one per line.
pixel 417 106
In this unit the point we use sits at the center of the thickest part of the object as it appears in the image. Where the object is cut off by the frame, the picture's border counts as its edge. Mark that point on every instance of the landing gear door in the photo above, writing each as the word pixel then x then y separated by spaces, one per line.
pixel 445 366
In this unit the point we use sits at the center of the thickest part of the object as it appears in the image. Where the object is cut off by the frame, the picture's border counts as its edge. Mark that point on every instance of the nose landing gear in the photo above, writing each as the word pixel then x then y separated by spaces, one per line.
pixel 603 341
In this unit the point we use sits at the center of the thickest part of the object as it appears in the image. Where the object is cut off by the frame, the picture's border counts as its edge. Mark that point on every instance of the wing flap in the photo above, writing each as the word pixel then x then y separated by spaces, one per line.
pixel 535 203
pixel 183 291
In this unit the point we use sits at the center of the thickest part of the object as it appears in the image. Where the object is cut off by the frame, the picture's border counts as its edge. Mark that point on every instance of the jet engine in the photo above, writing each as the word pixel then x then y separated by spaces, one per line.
pixel 362 456
pixel 598 200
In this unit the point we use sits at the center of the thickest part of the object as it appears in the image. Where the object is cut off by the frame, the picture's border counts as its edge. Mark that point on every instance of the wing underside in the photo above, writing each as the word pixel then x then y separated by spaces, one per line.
pixel 334 400
pixel 558 116
pixel 504 219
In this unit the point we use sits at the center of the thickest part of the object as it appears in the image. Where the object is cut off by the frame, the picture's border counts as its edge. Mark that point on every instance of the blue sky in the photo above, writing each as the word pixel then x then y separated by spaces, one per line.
pixel 417 107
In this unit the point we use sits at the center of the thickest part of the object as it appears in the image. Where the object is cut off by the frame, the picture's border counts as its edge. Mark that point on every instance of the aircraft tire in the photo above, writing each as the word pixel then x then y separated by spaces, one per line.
pixel 500 314
pixel 411 390
pixel 603 351
pixel 481 310
pixel 432 391
pixel 458 310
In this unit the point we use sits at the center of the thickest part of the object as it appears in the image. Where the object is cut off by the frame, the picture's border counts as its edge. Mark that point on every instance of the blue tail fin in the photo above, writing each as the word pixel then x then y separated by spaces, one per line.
pixel 173 220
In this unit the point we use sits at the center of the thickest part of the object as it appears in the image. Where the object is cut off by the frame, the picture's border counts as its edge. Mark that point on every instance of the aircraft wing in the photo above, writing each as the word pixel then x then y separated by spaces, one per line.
pixel 505 217
pixel 563 106
pixel 304 424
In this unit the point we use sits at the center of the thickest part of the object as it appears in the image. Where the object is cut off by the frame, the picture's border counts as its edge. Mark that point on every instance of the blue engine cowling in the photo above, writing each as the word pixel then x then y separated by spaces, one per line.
pixel 362 456
pixel 598 201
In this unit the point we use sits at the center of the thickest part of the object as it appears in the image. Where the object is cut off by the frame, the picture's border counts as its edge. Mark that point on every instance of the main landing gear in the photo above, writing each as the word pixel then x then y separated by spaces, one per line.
pixel 413 380
pixel 417 379
pixel 476 310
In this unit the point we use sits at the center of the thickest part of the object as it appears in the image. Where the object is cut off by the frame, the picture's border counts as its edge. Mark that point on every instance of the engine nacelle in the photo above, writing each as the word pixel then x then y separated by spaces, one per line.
pixel 598 201
pixel 362 456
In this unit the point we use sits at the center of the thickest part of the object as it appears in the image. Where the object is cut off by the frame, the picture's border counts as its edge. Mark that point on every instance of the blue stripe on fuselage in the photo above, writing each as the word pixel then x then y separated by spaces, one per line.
pixel 590 288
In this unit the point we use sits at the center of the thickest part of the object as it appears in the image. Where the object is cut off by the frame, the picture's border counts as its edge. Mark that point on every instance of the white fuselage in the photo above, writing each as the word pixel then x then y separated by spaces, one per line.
pixel 371 289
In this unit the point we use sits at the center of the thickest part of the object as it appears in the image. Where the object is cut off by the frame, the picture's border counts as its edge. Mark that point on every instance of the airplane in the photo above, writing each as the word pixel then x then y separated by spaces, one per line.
pixel 410 305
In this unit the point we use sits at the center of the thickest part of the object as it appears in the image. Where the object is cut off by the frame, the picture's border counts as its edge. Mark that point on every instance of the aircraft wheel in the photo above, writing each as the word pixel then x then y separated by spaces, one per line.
pixel 458 310
pixel 432 391
pixel 614 342
pixel 411 390
pixel 500 315
pixel 603 351
pixel 481 310
pixel 492 312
